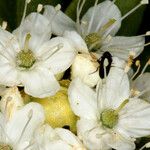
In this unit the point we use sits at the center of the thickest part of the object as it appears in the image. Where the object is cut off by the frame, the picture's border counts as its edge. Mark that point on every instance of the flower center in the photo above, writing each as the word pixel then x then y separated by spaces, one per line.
pixel 25 59
pixel 109 117
pixel 5 147
pixel 93 40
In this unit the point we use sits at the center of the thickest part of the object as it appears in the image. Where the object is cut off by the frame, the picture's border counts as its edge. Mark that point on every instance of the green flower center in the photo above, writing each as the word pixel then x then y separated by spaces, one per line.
pixel 25 58
pixel 5 147
pixel 110 117
pixel 93 40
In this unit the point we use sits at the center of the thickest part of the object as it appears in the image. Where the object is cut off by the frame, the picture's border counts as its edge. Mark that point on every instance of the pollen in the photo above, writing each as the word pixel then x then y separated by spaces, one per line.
pixel 25 59
pixel 109 118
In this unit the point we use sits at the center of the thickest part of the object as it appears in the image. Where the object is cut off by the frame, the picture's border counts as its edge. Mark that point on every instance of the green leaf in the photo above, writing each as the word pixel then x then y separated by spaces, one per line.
pixel 130 25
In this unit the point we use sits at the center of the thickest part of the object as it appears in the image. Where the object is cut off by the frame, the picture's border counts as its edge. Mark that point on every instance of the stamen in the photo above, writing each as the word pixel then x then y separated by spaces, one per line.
pixel 6 110
pixel 4 25
pixel 137 63
pixel 78 10
pixel 26 44
pixel 130 61
pixel 30 114
pixel 121 106
pixel 143 2
pixel 58 7
pixel 25 10
pixel 142 92
pixel 108 8
pixel 92 17
pixel 39 8
pixel 145 67
pixel 54 49
pixel 106 26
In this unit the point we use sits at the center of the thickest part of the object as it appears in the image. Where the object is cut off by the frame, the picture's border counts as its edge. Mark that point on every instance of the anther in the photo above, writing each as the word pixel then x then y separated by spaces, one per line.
pixel 148 33
pixel 130 61
pixel 58 7
pixel 137 63
pixel 39 8
pixel 143 2
pixel 4 25
pixel 28 1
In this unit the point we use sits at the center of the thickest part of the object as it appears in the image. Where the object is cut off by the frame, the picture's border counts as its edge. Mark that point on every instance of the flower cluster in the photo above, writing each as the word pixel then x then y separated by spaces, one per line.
pixel 68 85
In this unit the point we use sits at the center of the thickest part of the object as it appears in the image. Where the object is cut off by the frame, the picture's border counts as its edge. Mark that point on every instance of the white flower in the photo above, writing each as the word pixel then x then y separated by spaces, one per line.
pixel 2 90
pixel 109 118
pixel 17 131
pixel 29 58
pixel 96 29
pixel 85 68
pixel 11 101
pixel 48 138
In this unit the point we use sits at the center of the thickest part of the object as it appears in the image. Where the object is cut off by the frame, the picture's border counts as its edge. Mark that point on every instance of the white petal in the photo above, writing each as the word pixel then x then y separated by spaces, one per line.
pixel 2 90
pixel 68 137
pixel 85 68
pixel 142 83
pixel 118 142
pixel 82 100
pixel 84 125
pixel 38 27
pixel 11 101
pixel 39 82
pixel 102 16
pixel 19 129
pixel 58 20
pixel 76 40
pixel 96 139
pixel 62 59
pixel 135 118
pixel 121 46
pixel 9 46
pixel 8 74
pixel 116 89
pixel 58 145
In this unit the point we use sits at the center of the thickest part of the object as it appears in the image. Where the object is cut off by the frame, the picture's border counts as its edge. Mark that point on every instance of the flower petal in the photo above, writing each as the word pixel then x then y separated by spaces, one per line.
pixel 135 118
pixel 58 145
pixel 9 45
pixel 102 16
pixel 37 26
pixel 58 20
pixel 39 82
pixel 121 46
pixel 76 40
pixel 68 137
pixel 8 74
pixel 115 90
pixel 24 122
pixel 142 83
pixel 82 100
pixel 118 142
pixel 57 54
